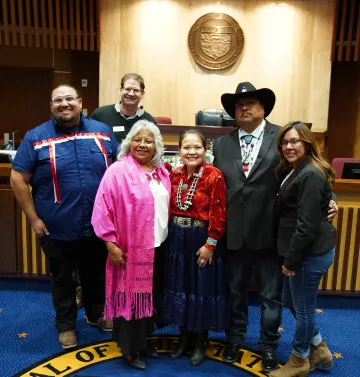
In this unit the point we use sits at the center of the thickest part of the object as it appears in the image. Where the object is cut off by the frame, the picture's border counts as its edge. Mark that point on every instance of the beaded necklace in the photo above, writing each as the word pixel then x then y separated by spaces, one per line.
pixel 190 194
pixel 247 150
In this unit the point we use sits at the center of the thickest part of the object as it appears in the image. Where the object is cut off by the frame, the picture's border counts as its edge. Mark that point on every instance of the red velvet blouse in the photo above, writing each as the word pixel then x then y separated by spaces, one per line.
pixel 209 201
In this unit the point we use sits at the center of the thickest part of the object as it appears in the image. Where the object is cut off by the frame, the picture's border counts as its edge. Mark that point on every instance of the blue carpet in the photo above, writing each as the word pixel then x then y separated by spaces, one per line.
pixel 28 336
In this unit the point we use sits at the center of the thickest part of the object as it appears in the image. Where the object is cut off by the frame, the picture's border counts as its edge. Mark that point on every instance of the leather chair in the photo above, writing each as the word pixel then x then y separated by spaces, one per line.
pixel 213 117
pixel 338 164
pixel 163 120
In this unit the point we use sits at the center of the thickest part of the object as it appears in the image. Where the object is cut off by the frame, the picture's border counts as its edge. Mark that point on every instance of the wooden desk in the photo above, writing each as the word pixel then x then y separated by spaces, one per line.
pixel 344 275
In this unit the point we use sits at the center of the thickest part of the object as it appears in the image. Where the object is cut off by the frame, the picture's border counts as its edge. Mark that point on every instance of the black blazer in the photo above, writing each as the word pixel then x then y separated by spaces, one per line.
pixel 250 201
pixel 303 205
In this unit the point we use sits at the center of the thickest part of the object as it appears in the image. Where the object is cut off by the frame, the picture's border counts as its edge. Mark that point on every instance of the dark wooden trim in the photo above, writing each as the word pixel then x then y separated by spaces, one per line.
pixel 91 26
pixel 36 23
pixel 346 267
pixel 337 248
pixel 21 23
pixel 58 24
pixel 351 25
pixel 51 24
pixel 356 254
pixel 6 23
pixel 336 18
pixel 71 22
pixel 29 246
pixel 13 22
pixel 78 29
pixel 84 24
pixel 19 246
pixel 98 27
pixel 357 41
pixel 346 185
pixel 43 22
pixel 38 257
pixel 65 25
pixel 28 23
pixel 342 30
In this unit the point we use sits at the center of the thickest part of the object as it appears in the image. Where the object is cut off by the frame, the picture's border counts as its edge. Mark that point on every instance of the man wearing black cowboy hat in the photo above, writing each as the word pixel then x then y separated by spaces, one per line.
pixel 247 158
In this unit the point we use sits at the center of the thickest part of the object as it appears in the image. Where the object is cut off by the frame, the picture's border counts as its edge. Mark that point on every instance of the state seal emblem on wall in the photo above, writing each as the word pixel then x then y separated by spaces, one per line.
pixel 216 41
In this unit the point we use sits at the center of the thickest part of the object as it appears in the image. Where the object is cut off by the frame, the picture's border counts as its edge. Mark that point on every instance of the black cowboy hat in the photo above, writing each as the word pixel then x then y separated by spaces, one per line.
pixel 246 89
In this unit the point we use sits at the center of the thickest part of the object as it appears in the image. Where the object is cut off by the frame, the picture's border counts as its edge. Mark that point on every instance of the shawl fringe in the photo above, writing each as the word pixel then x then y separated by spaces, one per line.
pixel 128 305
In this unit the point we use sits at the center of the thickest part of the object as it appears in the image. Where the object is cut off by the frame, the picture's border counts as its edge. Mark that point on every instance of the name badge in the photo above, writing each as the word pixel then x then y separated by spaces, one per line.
pixel 118 128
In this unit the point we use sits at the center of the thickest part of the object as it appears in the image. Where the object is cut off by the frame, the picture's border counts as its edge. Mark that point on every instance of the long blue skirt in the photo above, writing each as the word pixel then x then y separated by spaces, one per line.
pixel 194 296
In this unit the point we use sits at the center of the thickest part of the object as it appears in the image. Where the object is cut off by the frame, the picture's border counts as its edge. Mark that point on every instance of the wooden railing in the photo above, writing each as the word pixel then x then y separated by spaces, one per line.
pixel 61 24
pixel 346 36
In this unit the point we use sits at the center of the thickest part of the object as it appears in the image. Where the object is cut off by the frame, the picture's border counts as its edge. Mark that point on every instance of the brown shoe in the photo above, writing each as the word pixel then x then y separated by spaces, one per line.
pixel 295 367
pixel 67 339
pixel 105 325
pixel 320 357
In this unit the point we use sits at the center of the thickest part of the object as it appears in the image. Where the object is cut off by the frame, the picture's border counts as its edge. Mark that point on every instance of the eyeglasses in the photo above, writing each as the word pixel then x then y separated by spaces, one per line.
pixel 147 142
pixel 293 142
pixel 60 100
pixel 135 91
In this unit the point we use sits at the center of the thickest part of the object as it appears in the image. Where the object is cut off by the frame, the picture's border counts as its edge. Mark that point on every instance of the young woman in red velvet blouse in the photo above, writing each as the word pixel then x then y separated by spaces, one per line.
pixel 194 296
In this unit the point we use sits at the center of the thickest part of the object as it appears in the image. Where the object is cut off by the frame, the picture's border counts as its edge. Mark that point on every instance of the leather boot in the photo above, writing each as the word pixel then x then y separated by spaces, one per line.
pixel 182 345
pixel 320 356
pixel 295 367
pixel 198 354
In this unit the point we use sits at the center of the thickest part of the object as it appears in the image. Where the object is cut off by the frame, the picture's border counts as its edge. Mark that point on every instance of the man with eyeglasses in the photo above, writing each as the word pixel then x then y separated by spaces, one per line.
pixel 125 113
pixel 247 158
pixel 63 160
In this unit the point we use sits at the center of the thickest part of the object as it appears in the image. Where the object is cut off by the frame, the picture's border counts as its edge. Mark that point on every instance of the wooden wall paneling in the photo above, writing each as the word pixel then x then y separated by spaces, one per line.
pixel 21 22
pixel 65 23
pixel 337 248
pixel 297 67
pixel 346 271
pixel 43 23
pixel 24 244
pixel 36 23
pixel 7 231
pixel 84 25
pixel 51 24
pixel 91 26
pixel 350 30
pixel 78 25
pixel 19 238
pixel 355 280
pixel 58 24
pixel 344 127
pixel 34 102
pixel 28 23
pixel 13 23
pixel 357 41
pixel 342 30
pixel 29 258
pixel 6 22
pixel 72 28
pixel 335 26
pixel 98 25
pixel 37 252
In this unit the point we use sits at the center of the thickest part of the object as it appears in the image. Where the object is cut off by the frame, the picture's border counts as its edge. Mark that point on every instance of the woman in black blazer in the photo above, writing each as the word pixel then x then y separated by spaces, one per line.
pixel 306 239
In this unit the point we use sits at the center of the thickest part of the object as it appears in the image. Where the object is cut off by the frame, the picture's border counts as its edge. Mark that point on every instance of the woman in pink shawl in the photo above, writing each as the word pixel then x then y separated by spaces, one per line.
pixel 131 215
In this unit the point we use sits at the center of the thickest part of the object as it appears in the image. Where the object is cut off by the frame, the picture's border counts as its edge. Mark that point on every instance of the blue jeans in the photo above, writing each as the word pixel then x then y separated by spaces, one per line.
pixel 300 294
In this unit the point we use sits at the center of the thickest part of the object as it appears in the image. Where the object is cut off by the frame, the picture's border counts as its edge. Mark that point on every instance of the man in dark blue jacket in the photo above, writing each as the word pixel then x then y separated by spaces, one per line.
pixel 63 160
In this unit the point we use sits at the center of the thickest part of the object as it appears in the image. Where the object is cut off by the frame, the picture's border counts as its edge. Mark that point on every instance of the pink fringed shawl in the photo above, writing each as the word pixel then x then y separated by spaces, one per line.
pixel 124 213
